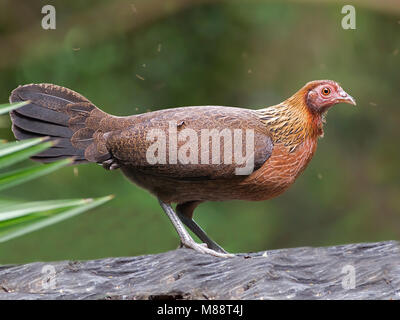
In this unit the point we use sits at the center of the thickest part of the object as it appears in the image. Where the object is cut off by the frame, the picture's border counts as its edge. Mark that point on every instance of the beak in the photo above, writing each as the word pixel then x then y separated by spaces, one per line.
pixel 346 98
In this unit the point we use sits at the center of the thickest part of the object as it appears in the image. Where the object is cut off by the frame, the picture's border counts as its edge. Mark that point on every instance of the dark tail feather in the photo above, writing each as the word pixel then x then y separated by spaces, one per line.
pixel 61 114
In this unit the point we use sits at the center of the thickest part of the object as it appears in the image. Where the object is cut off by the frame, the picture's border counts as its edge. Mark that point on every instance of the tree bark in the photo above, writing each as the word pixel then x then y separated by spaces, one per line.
pixel 354 271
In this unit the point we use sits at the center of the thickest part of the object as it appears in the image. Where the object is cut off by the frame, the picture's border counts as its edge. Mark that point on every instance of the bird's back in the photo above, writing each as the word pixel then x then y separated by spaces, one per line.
pixel 195 128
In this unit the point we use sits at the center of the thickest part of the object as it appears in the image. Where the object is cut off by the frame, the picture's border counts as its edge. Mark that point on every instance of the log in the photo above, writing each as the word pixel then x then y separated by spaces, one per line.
pixel 354 271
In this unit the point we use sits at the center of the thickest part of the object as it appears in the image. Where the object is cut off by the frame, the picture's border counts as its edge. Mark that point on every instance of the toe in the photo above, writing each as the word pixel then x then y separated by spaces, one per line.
pixel 202 248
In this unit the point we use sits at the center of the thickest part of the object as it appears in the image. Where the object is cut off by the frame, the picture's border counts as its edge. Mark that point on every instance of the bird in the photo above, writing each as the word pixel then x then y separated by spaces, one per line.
pixel 185 155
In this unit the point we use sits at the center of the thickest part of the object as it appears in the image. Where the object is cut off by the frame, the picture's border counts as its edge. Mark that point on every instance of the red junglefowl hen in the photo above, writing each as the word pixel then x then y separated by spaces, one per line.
pixel 177 154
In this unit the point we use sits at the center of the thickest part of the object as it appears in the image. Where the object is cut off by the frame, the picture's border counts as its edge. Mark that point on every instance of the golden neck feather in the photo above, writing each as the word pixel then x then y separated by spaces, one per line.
pixel 291 121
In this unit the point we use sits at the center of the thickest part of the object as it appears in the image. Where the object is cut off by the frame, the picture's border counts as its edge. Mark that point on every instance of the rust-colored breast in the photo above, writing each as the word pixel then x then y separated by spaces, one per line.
pixel 280 171
pixel 273 178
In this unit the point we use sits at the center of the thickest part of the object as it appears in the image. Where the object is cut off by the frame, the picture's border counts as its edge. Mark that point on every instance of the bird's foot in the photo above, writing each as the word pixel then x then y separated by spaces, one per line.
pixel 181 245
pixel 202 248
pixel 212 246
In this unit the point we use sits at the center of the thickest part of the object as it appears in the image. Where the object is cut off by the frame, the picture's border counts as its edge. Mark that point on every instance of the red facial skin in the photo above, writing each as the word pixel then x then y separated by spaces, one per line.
pixel 325 95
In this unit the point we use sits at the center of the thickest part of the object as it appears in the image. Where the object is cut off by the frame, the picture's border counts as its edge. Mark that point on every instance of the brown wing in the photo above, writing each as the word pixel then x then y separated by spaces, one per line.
pixel 174 143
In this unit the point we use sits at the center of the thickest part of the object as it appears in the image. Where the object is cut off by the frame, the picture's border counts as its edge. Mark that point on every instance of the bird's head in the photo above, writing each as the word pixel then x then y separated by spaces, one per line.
pixel 322 94
pixel 309 105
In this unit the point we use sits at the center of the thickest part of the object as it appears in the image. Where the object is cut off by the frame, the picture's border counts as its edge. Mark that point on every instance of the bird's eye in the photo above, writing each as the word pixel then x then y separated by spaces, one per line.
pixel 326 91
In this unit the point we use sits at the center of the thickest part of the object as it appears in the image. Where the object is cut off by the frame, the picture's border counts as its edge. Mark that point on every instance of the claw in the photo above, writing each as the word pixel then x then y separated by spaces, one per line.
pixel 114 166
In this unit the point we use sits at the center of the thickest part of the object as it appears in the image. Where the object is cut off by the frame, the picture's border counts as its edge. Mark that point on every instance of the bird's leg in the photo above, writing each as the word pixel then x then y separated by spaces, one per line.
pixel 185 213
pixel 110 164
pixel 185 237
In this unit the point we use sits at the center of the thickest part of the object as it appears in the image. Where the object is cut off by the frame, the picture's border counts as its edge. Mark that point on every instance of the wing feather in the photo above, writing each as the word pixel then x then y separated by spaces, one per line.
pixel 141 146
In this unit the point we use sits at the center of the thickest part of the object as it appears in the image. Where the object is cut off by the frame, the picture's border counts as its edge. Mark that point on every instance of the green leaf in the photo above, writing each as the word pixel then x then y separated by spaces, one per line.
pixel 17 210
pixel 14 152
pixel 13 178
pixel 9 147
pixel 17 218
pixel 28 222
pixel 4 203
pixel 5 108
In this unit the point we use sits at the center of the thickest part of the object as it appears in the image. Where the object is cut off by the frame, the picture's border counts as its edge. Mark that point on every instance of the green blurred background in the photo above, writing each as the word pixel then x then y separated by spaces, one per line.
pixel 130 57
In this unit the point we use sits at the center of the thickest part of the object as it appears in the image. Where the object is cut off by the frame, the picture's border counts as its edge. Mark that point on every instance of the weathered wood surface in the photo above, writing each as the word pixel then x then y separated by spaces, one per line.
pixel 299 273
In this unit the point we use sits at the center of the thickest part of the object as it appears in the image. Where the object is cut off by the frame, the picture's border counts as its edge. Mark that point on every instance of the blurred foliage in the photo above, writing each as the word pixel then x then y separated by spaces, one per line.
pixel 239 53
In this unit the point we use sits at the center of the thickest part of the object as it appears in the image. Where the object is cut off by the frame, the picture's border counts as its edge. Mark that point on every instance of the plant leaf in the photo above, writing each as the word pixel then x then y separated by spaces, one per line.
pixel 13 178
pixel 14 152
pixel 9 147
pixel 17 218
pixel 5 108
pixel 6 202
pixel 41 219
pixel 17 210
